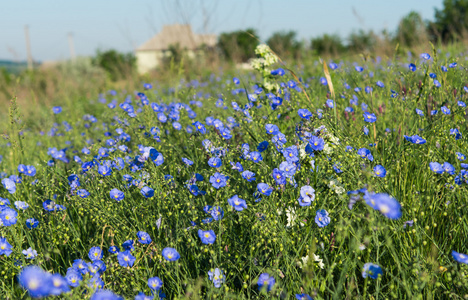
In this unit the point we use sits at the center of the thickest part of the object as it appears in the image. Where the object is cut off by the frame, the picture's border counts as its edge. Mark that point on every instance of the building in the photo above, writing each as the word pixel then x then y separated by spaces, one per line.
pixel 151 53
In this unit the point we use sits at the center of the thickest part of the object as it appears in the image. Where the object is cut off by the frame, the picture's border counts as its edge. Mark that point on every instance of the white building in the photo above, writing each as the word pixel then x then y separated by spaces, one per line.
pixel 151 53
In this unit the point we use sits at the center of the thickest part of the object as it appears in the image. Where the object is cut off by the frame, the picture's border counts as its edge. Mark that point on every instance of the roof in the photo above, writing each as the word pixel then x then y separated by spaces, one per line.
pixel 177 34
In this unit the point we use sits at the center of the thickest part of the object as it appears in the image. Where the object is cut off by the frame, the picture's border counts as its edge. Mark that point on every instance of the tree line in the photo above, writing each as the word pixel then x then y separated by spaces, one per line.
pixel 450 24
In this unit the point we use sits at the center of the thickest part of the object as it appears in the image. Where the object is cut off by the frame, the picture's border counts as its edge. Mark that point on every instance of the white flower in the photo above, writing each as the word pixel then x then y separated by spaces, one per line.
pixel 339 190
pixel 327 149
pixel 319 260
pixel 304 259
pixel 291 215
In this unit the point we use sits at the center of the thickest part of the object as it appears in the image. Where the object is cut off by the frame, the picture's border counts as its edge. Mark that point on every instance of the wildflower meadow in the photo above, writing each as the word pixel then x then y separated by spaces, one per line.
pixel 342 179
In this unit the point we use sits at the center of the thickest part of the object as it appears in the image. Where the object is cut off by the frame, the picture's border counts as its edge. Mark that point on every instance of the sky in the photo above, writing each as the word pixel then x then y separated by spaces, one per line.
pixel 126 24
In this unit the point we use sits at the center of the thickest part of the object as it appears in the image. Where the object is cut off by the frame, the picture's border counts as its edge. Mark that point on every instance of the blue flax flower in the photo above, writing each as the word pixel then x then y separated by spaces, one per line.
pixel 321 218
pixel 126 259
pixel 217 277
pixel 265 280
pixel 207 237
pixel 218 180
pixel 460 257
pixel 238 203
pixel 380 171
pixel 371 270
pixel 155 283
pixel 37 282
pixel 170 254
pixel 143 237
pixel 117 195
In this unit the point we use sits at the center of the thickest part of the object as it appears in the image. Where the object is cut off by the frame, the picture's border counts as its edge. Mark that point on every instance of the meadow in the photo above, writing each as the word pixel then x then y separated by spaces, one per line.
pixel 342 179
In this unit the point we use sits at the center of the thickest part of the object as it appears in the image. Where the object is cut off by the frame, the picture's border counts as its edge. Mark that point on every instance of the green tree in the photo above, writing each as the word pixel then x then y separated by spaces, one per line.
pixel 451 22
pixel 239 45
pixel 285 44
pixel 116 64
pixel 362 41
pixel 411 30
pixel 327 44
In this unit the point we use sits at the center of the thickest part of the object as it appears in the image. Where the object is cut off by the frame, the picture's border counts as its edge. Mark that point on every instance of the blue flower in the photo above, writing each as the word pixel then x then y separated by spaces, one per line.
pixel 218 180
pixel 238 203
pixel 128 245
pixel 380 84
pixel 304 113
pixel 412 67
pixel 113 249
pixel 460 156
pixel 307 194
pixel 5 247
pixel 32 223
pixel 371 270
pixel 291 154
pixel 21 205
pixel 437 83
pixel 316 143
pixel 330 103
pixel 73 277
pixel 187 161
pixel 59 285
pixel 436 167
pixel 425 56
pixel 144 237
pixel 460 257
pixel 321 218
pixel 215 162
pixel 126 259
pixel 359 68
pixel 445 110
pixel 255 156
pixel 207 237
pixel 419 112
pixel 262 146
pixel 9 185
pixel 104 170
pixel 387 205
pixel 57 109
pixel 264 189
pixel 117 195
pixel 170 254
pixel 380 171
pixel 448 168
pixel 155 283
pixel 272 129
pixel 8 216
pixel 368 117
pixel 82 193
pixel 264 280
pixel 217 277
pixel 37 282
pixel 95 253
pixel 147 192
pixel 365 153
pixel 249 176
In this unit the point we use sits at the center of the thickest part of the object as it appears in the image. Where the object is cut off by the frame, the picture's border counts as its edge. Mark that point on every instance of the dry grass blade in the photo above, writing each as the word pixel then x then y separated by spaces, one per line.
pixel 329 81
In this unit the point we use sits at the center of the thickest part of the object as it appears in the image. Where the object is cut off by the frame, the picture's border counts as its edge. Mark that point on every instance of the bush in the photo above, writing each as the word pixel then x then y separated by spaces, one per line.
pixel 117 65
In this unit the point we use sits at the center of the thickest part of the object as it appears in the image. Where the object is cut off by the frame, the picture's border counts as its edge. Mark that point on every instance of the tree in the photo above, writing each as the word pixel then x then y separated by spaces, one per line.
pixel 285 44
pixel 362 41
pixel 116 64
pixel 327 44
pixel 451 22
pixel 411 30
pixel 238 46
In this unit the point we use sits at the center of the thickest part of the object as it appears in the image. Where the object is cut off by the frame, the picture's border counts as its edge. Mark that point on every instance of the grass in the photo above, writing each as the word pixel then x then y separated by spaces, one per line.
pixel 263 238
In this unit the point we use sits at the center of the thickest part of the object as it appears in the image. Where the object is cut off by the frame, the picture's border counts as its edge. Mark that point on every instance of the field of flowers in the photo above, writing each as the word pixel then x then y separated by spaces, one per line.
pixel 329 180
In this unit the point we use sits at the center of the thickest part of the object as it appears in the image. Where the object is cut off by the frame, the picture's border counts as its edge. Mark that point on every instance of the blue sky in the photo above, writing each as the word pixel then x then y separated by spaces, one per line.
pixel 126 24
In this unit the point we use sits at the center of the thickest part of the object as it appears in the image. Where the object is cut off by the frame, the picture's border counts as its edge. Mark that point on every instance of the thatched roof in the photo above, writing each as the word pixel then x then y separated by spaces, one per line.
pixel 177 34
